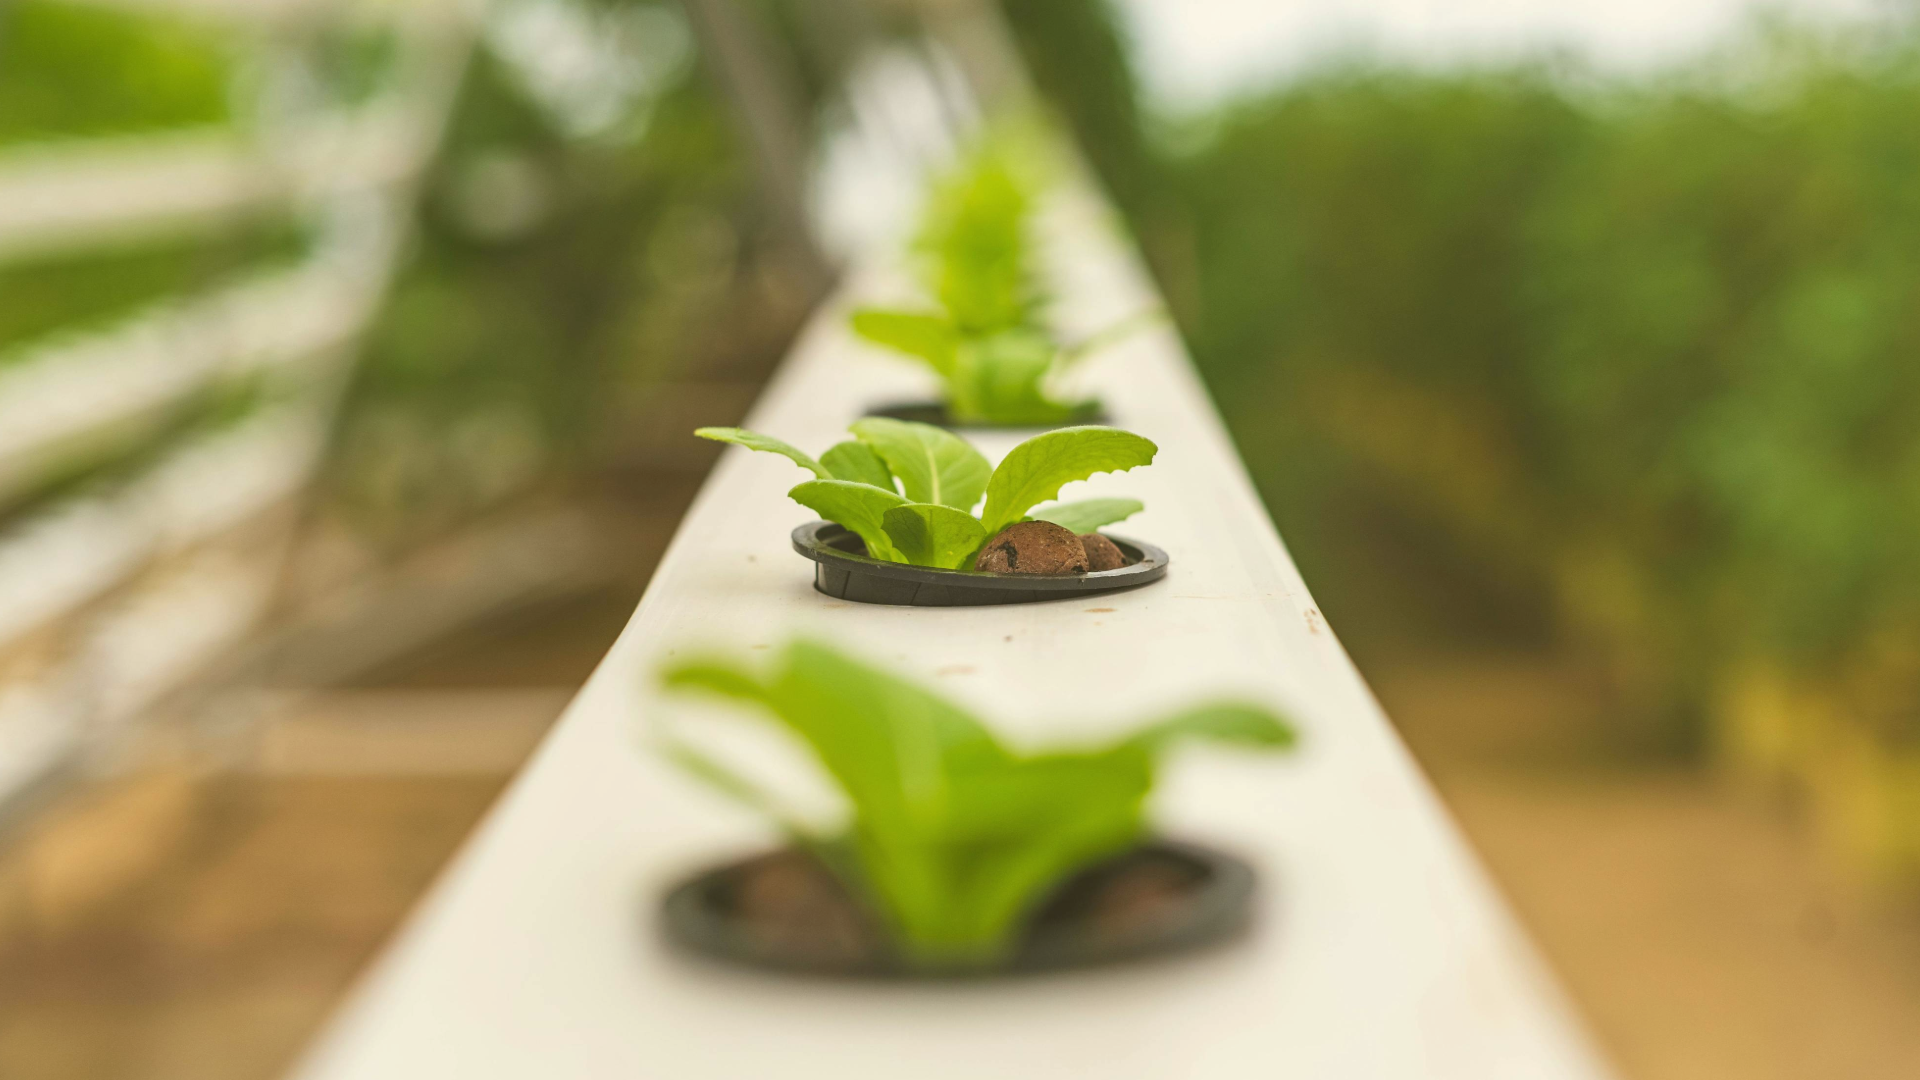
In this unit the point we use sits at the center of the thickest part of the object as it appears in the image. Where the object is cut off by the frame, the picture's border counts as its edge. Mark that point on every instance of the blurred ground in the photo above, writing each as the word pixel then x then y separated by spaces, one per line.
pixel 201 924
pixel 170 926
pixel 222 963
pixel 1697 928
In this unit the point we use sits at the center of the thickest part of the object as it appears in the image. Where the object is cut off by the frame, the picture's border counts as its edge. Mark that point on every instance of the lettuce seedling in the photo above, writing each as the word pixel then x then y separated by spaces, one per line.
pixel 952 837
pixel 908 490
pixel 986 337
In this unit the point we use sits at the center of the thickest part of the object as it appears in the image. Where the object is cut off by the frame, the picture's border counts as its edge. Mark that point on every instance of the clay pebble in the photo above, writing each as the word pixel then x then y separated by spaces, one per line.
pixel 1033 547
pixel 1102 553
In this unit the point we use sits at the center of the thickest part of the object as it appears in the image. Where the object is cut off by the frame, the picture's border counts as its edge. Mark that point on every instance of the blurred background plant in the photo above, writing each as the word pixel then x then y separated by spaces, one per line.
pixel 69 71
pixel 586 225
pixel 982 325
pixel 1529 350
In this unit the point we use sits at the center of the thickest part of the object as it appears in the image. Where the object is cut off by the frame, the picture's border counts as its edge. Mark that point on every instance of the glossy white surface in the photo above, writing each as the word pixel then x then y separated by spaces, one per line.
pixel 1380 951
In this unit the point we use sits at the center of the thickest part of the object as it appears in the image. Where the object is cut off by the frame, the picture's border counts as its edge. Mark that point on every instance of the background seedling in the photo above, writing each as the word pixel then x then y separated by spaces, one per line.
pixel 986 337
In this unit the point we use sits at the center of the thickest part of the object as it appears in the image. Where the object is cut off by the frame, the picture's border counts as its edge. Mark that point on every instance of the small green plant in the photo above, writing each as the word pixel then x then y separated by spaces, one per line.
pixel 952 837
pixel 908 490
pixel 986 339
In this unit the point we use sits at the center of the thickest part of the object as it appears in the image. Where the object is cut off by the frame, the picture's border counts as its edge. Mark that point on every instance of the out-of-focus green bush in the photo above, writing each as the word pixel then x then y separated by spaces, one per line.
pixel 75 74
pixel 75 293
pixel 76 71
pixel 1635 363
pixel 588 235
pixel 589 238
pixel 1725 348
pixel 1356 242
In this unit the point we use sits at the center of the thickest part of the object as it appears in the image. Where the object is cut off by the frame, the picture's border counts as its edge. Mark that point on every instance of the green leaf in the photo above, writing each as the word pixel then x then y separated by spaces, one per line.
pixel 724 679
pixel 887 744
pixel 976 230
pixel 715 677
pixel 702 766
pixel 1226 722
pixel 934 465
pixel 892 747
pixel 928 534
pixel 930 337
pixel 1086 515
pixel 755 441
pixel 1006 881
pixel 1035 470
pixel 1113 335
pixel 1001 379
pixel 1014 830
pixel 1008 801
pixel 859 508
pixel 891 742
pixel 856 461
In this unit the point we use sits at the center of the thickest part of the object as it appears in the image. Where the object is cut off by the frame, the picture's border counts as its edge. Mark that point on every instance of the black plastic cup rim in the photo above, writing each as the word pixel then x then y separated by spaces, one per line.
pixel 935 413
pixel 843 571
pixel 693 917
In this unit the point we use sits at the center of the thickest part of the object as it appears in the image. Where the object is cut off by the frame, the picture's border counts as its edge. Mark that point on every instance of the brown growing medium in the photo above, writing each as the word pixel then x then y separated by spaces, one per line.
pixel 1033 547
pixel 792 904
pixel 785 904
pixel 1102 553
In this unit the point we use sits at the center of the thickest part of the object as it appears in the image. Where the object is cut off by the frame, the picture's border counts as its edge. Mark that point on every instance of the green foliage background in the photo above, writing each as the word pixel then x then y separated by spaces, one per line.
pixel 73 71
pixel 1628 365
pixel 530 354
pixel 560 281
